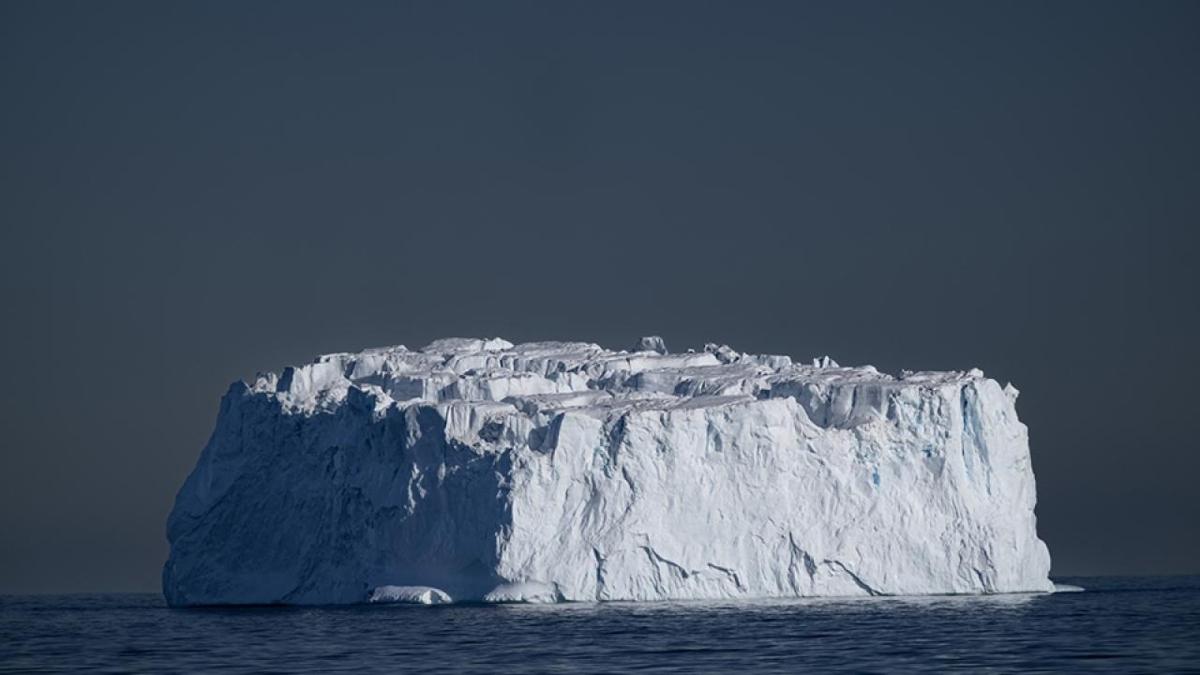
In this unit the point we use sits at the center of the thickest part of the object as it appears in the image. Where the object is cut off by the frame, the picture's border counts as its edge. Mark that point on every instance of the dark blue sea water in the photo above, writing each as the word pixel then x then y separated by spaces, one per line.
pixel 1117 625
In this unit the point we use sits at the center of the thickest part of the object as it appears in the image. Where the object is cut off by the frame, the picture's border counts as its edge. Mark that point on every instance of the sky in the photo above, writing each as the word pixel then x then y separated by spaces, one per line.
pixel 194 192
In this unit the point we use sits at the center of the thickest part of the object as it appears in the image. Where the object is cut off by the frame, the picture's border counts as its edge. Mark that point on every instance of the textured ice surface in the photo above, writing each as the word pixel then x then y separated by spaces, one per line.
pixel 563 471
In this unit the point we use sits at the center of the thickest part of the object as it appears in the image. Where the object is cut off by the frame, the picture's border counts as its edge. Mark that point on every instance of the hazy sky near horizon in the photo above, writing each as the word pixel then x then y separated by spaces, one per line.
pixel 191 192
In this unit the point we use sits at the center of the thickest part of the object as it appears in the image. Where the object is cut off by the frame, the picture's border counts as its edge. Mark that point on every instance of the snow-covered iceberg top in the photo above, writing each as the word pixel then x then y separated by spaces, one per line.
pixel 480 470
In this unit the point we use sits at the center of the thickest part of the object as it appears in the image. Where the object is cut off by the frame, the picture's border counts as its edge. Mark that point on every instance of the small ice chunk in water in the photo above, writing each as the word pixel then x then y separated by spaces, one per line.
pixel 533 592
pixel 415 595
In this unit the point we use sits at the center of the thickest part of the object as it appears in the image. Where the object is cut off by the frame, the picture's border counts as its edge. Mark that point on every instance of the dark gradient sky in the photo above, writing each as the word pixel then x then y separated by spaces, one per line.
pixel 193 192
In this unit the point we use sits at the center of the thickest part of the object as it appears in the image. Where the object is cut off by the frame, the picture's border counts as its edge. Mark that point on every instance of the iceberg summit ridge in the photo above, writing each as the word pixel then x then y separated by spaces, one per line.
pixel 479 470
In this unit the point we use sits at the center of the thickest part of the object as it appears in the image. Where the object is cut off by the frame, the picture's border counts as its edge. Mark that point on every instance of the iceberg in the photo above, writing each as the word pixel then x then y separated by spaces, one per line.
pixel 484 471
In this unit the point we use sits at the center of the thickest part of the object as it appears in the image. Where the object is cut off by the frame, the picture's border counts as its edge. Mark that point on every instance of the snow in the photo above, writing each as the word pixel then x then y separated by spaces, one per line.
pixel 479 470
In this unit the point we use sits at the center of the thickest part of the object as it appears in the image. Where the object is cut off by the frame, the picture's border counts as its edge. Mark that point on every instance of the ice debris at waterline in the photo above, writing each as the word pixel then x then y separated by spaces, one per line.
pixel 476 470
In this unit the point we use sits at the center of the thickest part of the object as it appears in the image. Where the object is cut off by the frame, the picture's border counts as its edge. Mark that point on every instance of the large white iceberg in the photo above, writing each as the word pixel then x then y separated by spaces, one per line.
pixel 550 471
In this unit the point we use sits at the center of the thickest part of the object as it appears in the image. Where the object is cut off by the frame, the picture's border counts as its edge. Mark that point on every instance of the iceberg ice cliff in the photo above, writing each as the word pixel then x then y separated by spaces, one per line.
pixel 476 470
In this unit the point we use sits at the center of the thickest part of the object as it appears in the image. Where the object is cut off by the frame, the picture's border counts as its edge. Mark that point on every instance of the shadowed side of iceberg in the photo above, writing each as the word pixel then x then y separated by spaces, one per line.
pixel 286 509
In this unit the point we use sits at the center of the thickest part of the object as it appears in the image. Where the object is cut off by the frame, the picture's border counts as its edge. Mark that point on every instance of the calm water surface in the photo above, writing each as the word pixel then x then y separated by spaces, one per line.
pixel 1117 625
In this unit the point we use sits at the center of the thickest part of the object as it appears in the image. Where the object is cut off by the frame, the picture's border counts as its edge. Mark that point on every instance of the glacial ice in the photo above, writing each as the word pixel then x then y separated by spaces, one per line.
pixel 480 470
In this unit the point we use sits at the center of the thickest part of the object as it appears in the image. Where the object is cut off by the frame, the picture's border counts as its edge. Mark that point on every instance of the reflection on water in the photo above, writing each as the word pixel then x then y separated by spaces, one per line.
pixel 1118 625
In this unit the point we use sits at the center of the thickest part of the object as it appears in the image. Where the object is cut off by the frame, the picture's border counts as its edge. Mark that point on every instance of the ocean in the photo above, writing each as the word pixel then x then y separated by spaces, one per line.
pixel 1118 624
